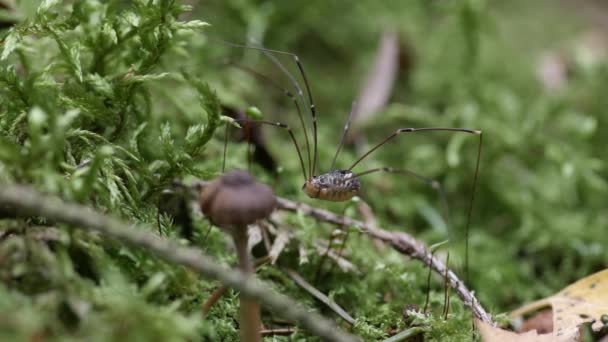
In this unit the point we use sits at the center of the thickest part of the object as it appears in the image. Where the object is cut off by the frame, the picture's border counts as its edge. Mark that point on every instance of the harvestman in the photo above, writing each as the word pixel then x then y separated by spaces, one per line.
pixel 338 185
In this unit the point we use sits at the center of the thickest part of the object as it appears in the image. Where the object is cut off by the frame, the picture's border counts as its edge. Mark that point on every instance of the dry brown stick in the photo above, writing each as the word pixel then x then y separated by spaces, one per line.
pixel 370 219
pixel 344 264
pixel 401 242
pixel 277 332
pixel 297 278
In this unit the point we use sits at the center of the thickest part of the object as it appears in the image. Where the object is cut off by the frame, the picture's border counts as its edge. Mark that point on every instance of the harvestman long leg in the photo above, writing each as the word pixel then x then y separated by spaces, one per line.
pixel 472 198
pixel 413 130
pixel 286 92
pixel 310 102
pixel 436 185
pixel 290 95
pixel 346 127
pixel 271 123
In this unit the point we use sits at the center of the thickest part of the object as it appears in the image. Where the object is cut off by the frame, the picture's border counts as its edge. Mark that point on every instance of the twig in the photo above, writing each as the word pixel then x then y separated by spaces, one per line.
pixel 213 298
pixel 277 332
pixel 32 202
pixel 428 286
pixel 406 334
pixel 297 278
pixel 446 299
pixel 344 264
pixel 369 218
pixel 401 242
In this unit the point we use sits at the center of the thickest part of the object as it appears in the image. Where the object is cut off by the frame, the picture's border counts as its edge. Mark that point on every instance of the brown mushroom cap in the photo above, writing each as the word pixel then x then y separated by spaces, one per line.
pixel 236 199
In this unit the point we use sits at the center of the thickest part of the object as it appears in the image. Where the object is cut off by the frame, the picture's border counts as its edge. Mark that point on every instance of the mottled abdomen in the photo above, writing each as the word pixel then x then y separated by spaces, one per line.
pixel 335 186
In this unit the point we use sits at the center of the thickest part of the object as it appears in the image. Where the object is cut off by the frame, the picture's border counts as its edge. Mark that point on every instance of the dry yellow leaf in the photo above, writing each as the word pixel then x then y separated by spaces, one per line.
pixel 494 334
pixel 583 301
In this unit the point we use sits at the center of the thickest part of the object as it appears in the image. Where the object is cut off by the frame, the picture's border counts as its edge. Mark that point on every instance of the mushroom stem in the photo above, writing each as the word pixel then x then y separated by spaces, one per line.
pixel 249 314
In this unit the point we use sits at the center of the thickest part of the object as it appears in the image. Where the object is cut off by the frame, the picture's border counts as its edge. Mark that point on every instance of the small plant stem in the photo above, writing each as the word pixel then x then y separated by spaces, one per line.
pixel 428 285
pixel 215 296
pixel 342 245
pixel 249 314
pixel 446 308
pixel 248 136
pixel 332 236
pixel 219 292
pixel 323 258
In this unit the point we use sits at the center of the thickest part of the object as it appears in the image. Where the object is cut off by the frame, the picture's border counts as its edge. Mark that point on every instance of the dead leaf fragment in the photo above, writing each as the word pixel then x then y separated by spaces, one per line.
pixel 494 334
pixel 583 301
pixel 542 322
pixel 379 83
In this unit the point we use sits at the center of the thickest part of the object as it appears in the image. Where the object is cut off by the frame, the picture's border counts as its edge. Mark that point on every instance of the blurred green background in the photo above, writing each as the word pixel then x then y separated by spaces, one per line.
pixel 531 75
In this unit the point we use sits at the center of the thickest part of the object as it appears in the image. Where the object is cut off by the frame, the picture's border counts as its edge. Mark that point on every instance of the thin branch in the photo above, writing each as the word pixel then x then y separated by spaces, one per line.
pixel 213 298
pixel 297 278
pixel 344 264
pixel 278 332
pixel 31 202
pixel 369 218
pixel 401 242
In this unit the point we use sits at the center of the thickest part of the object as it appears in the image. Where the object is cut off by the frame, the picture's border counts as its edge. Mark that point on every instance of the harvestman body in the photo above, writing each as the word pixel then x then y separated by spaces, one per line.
pixel 335 186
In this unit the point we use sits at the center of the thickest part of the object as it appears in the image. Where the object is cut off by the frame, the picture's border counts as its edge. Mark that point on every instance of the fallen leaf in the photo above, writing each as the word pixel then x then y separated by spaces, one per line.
pixel 494 334
pixel 378 85
pixel 583 301
pixel 542 322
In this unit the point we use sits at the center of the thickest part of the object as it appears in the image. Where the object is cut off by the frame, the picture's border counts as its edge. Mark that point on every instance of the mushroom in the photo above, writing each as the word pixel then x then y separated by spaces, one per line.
pixel 232 202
